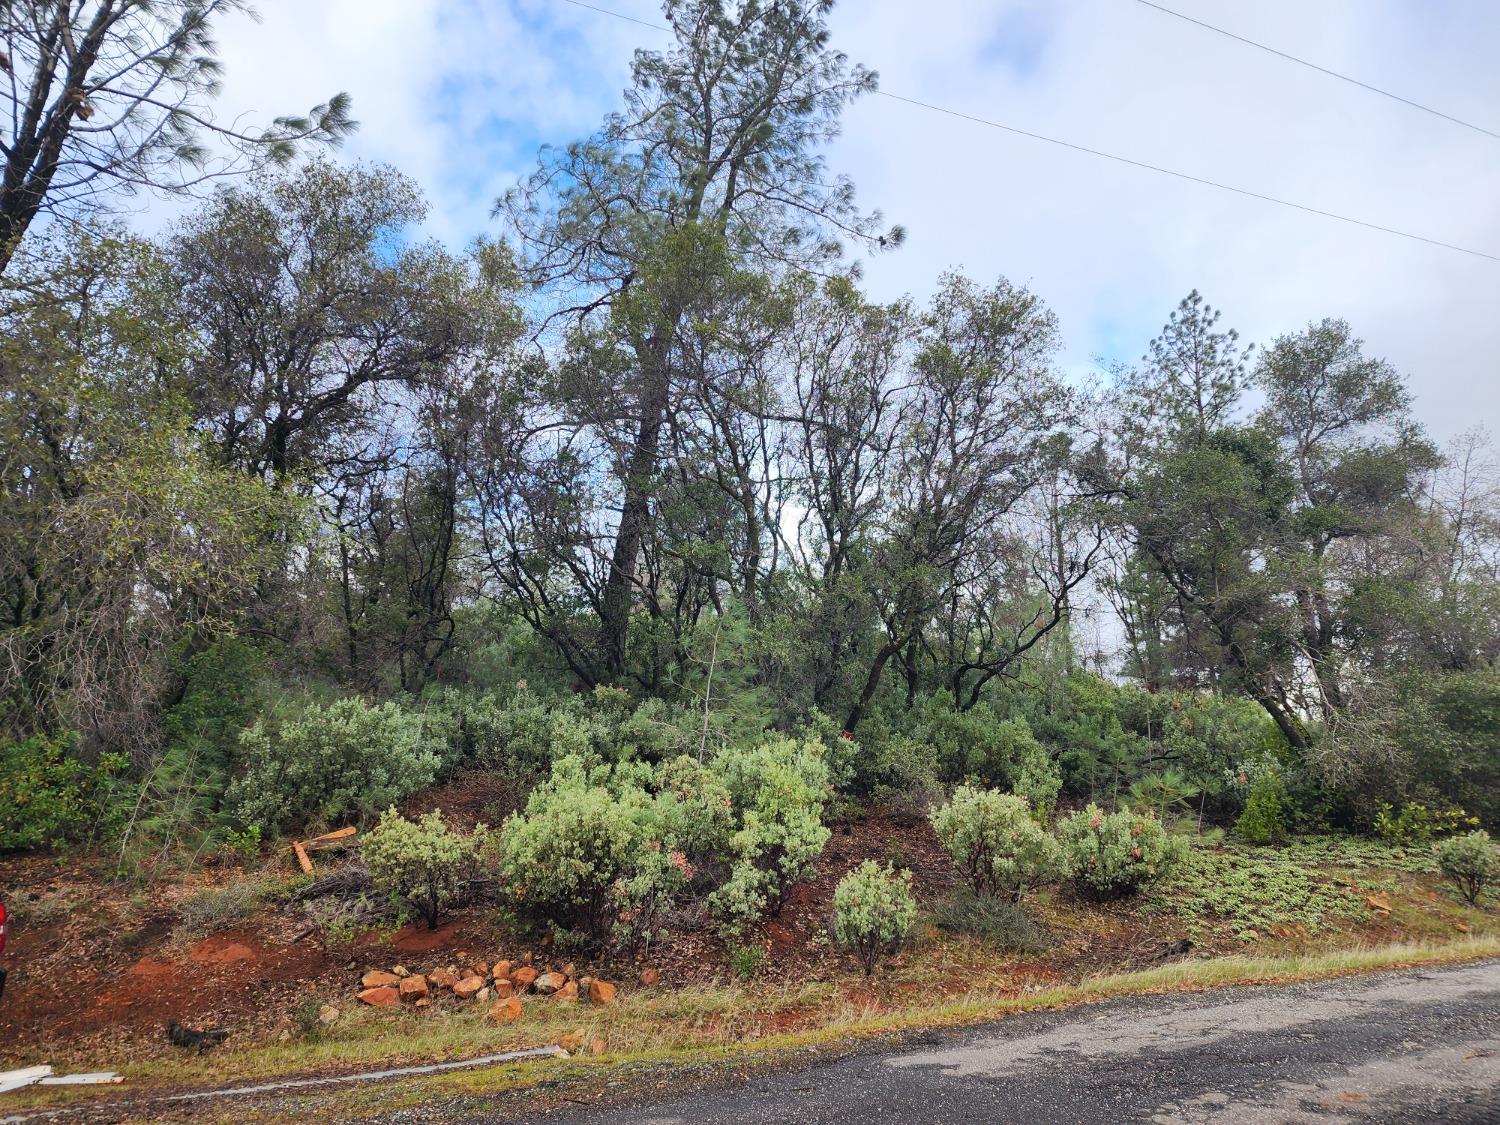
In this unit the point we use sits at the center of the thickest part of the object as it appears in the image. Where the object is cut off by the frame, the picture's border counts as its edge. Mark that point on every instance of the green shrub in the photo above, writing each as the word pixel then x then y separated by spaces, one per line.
pixel 903 772
pixel 746 960
pixel 873 911
pixel 696 809
pixel 49 797
pixel 329 765
pixel 999 752
pixel 421 862
pixel 603 850
pixel 1470 861
pixel 1263 820
pixel 595 856
pixel 996 842
pixel 777 789
pixel 224 687
pixel 561 858
pixel 519 734
pixel 243 844
pixel 1416 824
pixel 1002 925
pixel 1115 855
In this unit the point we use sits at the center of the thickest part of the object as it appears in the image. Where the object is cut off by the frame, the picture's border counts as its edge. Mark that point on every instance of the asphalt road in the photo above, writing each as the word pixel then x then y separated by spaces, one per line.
pixel 1419 1046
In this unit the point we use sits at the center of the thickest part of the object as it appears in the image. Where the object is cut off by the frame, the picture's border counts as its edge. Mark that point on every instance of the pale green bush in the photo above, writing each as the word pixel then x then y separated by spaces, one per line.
pixel 422 862
pixel 778 789
pixel 561 858
pixel 1470 861
pixel 873 911
pixel 996 842
pixel 696 809
pixel 329 765
pixel 1108 856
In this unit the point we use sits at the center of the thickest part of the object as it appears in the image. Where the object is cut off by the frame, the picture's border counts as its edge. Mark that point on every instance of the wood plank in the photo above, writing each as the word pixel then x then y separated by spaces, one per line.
pixel 339 834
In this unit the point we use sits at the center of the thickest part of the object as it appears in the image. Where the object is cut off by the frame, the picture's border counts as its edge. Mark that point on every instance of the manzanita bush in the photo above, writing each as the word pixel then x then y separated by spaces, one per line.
pixel 873 911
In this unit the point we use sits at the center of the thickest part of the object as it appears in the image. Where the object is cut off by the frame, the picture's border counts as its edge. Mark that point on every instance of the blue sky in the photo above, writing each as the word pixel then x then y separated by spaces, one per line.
pixel 460 93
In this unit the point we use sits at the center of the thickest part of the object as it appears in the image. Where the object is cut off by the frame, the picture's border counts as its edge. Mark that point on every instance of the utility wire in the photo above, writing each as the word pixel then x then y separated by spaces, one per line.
pixel 1320 69
pixel 1103 155
pixel 1191 178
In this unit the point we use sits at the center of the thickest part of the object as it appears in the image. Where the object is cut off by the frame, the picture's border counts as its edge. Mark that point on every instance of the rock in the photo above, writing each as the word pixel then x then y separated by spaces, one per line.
pixel 468 987
pixel 549 983
pixel 1461 927
pixel 414 987
pixel 597 1045
pixel 504 990
pixel 376 979
pixel 650 978
pixel 401 971
pixel 422 1003
pixel 1378 903
pixel 505 1011
pixel 572 1041
pixel 568 992
pixel 381 997
pixel 501 969
pixel 328 1015
pixel 601 992
pixel 523 978
pixel 442 978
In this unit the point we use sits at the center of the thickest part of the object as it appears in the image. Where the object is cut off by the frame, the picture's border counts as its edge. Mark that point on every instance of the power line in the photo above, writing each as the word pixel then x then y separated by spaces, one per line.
pixel 1118 159
pixel 1321 69
pixel 1190 177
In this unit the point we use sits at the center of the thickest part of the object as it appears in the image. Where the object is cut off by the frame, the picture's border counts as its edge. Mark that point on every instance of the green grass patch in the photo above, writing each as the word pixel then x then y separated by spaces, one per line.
pixel 1257 891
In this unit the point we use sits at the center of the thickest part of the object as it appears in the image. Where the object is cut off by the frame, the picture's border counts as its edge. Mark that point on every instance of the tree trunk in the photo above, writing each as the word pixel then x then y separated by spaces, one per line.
pixel 635 510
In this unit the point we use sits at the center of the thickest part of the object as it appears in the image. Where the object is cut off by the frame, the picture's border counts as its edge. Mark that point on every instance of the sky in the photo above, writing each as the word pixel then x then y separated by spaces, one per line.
pixel 459 94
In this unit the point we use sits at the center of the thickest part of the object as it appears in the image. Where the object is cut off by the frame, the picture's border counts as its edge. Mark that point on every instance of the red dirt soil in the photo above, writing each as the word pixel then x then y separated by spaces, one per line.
pixel 218 981
pixel 106 972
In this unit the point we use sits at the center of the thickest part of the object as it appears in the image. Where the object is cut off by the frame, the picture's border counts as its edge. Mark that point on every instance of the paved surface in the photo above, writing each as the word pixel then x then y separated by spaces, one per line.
pixel 1420 1046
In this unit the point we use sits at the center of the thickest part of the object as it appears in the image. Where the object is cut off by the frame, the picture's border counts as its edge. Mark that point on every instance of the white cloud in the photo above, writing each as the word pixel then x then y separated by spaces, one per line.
pixel 458 92
pixel 1113 248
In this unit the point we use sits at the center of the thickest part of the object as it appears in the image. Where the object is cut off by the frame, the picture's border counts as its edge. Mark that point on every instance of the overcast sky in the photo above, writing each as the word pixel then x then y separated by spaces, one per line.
pixel 460 93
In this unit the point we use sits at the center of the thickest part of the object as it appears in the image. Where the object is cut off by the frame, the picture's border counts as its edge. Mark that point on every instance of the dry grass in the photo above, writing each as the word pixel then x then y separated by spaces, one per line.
pixel 710 1026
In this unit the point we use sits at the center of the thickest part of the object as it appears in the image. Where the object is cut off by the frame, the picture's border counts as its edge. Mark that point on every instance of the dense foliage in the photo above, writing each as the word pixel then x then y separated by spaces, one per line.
pixel 327 765
pixel 47 796
pixel 643 506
